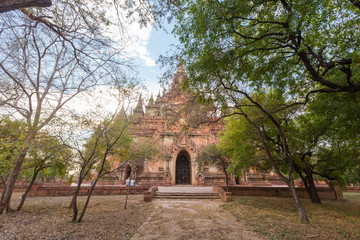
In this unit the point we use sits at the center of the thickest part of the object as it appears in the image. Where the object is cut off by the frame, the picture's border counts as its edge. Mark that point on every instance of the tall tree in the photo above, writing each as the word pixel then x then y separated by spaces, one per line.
pixel 41 71
pixel 234 49
pixel 270 125
pixel 110 141
pixel 110 137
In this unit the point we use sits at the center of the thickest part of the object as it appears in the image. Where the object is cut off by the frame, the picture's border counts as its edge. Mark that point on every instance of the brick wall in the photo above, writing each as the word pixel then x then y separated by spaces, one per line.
pixel 63 190
pixel 352 189
pixel 333 193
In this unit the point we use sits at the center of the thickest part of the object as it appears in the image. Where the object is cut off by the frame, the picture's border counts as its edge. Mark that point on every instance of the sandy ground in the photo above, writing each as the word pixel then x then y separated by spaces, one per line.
pixel 196 219
pixel 49 218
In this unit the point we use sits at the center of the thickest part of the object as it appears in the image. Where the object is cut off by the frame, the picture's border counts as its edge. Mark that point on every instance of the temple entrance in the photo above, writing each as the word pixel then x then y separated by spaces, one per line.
pixel 127 173
pixel 183 168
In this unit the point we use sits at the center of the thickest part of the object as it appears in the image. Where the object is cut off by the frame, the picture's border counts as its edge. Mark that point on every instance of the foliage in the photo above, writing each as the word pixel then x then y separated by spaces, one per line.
pixel 239 49
pixel 327 130
pixel 11 136
pixel 48 156
pixel 240 145
pixel 298 47
pixel 322 139
pixel 142 149
pixel 212 156
pixel 104 135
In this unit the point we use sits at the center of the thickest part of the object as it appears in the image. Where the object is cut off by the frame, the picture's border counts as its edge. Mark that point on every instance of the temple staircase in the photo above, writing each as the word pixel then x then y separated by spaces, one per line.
pixel 185 192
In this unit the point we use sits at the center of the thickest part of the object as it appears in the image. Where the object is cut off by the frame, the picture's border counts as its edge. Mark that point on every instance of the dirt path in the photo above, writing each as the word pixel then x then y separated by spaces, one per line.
pixel 197 219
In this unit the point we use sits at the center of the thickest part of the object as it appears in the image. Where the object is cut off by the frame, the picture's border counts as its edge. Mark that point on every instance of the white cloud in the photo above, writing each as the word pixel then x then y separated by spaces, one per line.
pixel 134 39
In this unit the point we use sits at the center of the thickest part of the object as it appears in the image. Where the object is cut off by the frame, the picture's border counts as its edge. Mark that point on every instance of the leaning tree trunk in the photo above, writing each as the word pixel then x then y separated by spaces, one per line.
pixel 298 204
pixel 87 201
pixel 312 189
pixel 309 184
pixel 10 183
pixel 73 203
pixel 92 187
pixel 23 198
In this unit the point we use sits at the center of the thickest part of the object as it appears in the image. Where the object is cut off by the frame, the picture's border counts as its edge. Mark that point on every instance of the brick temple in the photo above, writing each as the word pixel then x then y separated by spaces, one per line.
pixel 172 120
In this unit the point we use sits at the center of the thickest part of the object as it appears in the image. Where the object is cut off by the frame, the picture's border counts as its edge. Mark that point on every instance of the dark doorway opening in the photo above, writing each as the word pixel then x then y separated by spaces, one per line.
pixel 127 172
pixel 183 168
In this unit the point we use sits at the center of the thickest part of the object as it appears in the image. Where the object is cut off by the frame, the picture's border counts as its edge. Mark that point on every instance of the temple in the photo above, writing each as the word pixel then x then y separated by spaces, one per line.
pixel 172 121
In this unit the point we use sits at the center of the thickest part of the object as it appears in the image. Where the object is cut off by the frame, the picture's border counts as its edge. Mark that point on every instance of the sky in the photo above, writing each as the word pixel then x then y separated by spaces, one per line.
pixel 144 49
pixel 158 42
pixel 147 44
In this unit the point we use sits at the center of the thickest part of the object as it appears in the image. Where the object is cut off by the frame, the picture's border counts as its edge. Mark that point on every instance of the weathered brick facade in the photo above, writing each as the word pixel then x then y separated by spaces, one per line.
pixel 172 119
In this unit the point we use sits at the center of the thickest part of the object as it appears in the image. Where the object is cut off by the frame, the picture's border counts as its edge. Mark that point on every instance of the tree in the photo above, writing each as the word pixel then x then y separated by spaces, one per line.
pixel 8 5
pixel 328 128
pixel 310 41
pixel 110 141
pixel 47 157
pixel 71 37
pixel 109 138
pixel 140 150
pixel 11 136
pixel 41 71
pixel 212 156
pixel 235 49
pixel 265 118
pixel 240 144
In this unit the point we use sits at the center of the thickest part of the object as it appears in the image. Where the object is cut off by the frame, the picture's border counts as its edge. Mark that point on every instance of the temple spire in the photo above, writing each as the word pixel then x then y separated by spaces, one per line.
pixel 139 110
pixel 151 99
pixel 179 75
pixel 180 68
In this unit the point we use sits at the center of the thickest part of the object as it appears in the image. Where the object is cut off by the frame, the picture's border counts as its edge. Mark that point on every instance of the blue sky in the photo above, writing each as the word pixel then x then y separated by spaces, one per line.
pixel 158 44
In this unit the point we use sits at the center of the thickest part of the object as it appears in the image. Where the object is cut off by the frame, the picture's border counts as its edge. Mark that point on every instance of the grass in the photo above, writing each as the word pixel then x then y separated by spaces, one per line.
pixel 276 218
pixel 50 218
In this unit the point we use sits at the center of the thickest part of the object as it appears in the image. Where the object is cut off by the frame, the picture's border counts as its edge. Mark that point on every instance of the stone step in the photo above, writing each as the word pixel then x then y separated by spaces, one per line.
pixel 186 195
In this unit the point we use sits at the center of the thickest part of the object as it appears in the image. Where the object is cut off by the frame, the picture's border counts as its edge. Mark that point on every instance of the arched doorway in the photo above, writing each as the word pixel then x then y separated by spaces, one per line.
pixel 127 173
pixel 183 168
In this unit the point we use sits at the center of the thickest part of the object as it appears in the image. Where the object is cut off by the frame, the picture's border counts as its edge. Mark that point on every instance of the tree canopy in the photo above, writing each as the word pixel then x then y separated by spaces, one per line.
pixel 299 46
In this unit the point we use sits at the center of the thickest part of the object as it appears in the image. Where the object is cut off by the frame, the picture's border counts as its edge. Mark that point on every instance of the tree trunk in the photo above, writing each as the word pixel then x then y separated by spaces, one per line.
pixel 312 189
pixel 298 204
pixel 127 194
pixel 226 179
pixel 23 198
pixel 10 183
pixel 93 186
pixel 8 5
pixel 309 184
pixel 73 203
pixel 87 201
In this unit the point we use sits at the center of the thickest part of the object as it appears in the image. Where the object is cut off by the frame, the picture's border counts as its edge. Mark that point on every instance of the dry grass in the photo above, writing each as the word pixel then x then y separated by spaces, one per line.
pixel 50 218
pixel 276 218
